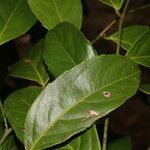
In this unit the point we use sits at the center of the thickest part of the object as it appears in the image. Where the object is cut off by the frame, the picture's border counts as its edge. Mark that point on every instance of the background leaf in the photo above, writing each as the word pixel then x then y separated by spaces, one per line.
pixel 52 12
pixel 16 107
pixel 87 141
pixel 145 88
pixel 75 100
pixel 121 144
pixel 16 18
pixel 129 36
pixel 32 66
pixel 65 47
pixel 140 51
pixel 116 4
pixel 135 40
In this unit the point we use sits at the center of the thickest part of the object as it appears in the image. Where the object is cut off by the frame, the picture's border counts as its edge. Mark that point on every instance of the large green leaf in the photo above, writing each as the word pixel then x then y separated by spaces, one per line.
pixel 52 12
pixel 88 141
pixel 32 66
pixel 65 47
pixel 145 88
pixel 140 51
pixel 116 4
pixel 121 144
pixel 15 19
pixel 17 106
pixel 9 142
pixel 76 99
pixel 129 36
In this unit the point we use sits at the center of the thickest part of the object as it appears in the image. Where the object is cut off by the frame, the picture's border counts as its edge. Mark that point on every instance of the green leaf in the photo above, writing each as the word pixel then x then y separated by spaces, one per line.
pixel 116 4
pixel 9 143
pixel 16 108
pixel 65 47
pixel 87 141
pixel 75 100
pixel 135 40
pixel 32 66
pixel 145 88
pixel 15 19
pixel 121 144
pixel 52 12
pixel 129 36
pixel 140 51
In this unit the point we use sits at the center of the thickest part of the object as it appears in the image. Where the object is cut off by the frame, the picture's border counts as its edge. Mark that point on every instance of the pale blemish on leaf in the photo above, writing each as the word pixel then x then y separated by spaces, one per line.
pixel 107 94
pixel 91 113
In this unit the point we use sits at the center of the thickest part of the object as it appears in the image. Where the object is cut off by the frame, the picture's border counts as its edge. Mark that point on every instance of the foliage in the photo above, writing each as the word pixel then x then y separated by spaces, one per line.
pixel 62 114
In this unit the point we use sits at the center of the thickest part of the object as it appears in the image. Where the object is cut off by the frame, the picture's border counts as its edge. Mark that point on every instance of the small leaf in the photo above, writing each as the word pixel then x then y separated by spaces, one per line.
pixel 74 101
pixel 116 4
pixel 15 19
pixel 87 141
pixel 32 66
pixel 16 107
pixel 140 51
pixel 121 144
pixel 129 36
pixel 65 47
pixel 52 12
pixel 145 88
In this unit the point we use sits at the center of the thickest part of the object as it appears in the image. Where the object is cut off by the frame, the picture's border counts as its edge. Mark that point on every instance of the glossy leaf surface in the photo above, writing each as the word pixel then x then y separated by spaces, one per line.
pixel 121 144
pixel 15 19
pixel 145 88
pixel 130 35
pixel 32 66
pixel 16 107
pixel 52 12
pixel 75 100
pixel 116 4
pixel 87 141
pixel 65 47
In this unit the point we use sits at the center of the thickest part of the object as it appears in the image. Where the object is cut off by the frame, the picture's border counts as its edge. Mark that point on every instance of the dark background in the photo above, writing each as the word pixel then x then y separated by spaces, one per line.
pixel 132 118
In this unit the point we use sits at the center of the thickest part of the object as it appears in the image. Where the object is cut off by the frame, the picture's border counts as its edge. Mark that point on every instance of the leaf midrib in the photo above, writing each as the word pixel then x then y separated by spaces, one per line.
pixel 38 74
pixel 57 11
pixel 9 18
pixel 69 56
pixel 79 101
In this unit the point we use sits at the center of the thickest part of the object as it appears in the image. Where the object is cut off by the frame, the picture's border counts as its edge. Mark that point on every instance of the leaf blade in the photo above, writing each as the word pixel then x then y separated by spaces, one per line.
pixel 116 4
pixel 16 111
pixel 145 88
pixel 52 12
pixel 32 66
pixel 11 19
pixel 87 141
pixel 63 119
pixel 129 36
pixel 65 47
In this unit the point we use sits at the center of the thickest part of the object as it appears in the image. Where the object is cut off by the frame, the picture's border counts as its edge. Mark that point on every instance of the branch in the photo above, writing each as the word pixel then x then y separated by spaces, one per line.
pixel 104 147
pixel 7 132
pixel 122 17
pixel 7 129
pixel 3 114
pixel 102 34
